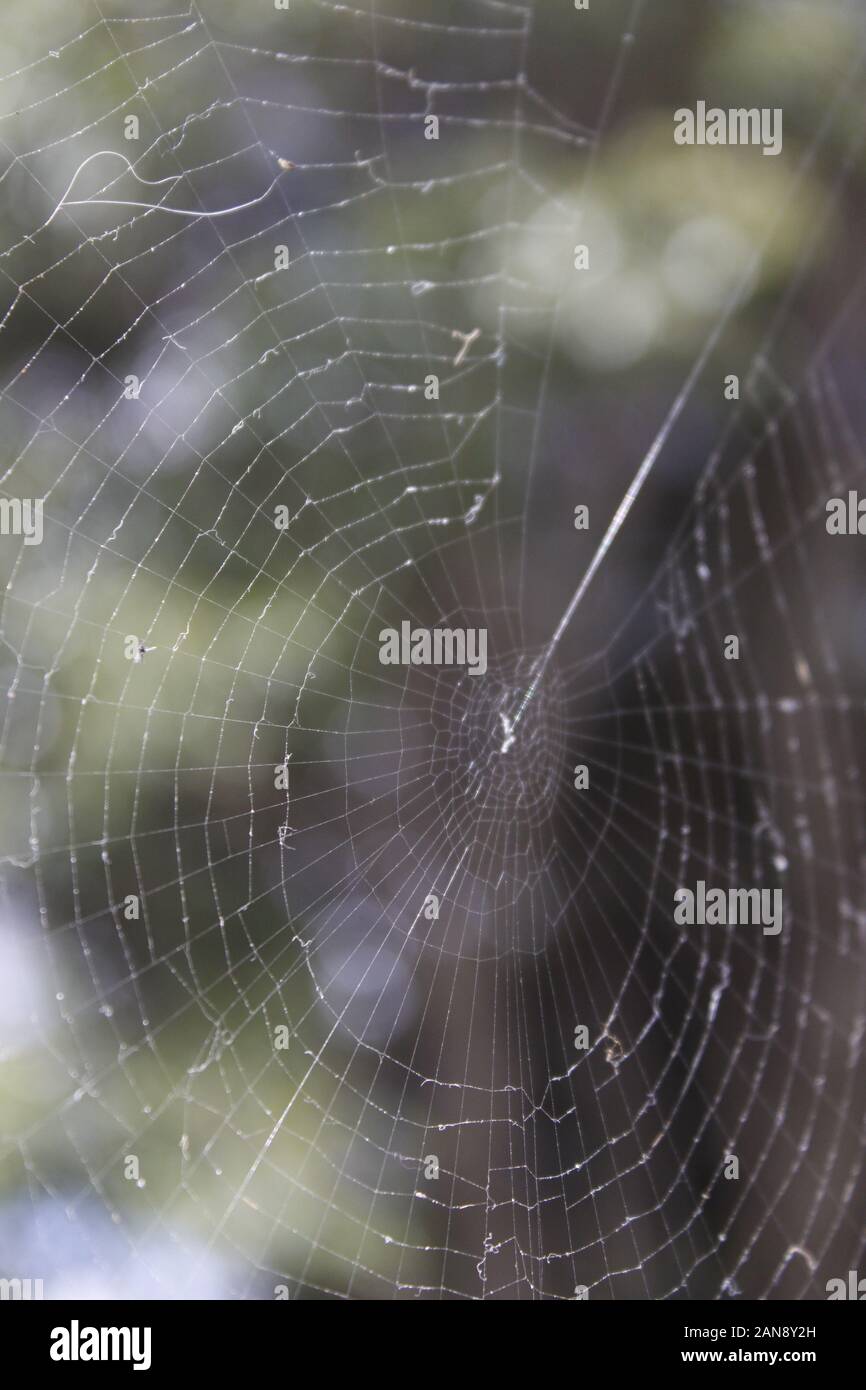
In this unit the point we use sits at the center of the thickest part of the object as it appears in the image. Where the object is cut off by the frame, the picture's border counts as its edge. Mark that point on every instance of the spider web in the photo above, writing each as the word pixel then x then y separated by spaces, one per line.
pixel 296 946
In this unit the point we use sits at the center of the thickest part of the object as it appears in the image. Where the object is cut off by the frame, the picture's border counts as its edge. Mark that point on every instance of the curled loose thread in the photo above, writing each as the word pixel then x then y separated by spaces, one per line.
pixel 66 201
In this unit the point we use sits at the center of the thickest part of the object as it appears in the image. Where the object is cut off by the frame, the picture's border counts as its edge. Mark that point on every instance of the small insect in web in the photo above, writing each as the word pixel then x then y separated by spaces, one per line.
pixel 286 164
pixel 466 341
pixel 140 653
pixel 509 736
